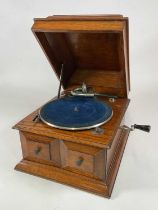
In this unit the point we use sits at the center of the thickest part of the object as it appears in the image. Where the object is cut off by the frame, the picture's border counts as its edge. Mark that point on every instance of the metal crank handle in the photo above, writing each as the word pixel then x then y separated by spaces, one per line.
pixel 145 128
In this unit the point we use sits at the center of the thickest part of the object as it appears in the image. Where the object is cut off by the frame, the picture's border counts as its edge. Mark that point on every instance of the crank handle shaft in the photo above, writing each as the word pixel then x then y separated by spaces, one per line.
pixel 145 128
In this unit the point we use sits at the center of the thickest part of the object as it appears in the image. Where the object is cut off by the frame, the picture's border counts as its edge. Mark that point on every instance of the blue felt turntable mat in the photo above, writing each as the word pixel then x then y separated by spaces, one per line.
pixel 75 113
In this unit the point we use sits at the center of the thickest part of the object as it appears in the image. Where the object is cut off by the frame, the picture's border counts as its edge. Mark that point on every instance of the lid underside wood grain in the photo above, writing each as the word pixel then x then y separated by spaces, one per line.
pixel 93 49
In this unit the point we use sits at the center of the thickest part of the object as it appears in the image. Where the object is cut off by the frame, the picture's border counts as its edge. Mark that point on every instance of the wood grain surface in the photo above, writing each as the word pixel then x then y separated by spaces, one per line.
pixel 72 178
pixel 97 44
pixel 86 137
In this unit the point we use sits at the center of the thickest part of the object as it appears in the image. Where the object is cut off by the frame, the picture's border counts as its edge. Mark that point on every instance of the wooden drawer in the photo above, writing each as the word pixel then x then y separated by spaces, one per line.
pixel 41 149
pixel 38 150
pixel 80 161
pixel 83 159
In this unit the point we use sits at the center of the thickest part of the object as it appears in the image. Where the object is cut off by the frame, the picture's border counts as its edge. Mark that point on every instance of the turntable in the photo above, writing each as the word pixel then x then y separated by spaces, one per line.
pixel 79 136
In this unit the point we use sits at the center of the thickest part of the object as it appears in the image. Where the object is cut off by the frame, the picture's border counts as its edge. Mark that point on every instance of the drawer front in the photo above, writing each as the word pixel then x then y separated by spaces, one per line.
pixel 80 161
pixel 38 150
pixel 83 159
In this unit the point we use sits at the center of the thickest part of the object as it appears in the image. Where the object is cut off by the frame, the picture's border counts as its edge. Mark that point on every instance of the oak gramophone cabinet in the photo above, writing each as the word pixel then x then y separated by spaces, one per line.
pixel 93 50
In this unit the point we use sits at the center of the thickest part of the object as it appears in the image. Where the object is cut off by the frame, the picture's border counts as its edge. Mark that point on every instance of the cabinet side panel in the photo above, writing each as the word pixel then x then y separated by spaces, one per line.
pixel 116 160
pixel 110 152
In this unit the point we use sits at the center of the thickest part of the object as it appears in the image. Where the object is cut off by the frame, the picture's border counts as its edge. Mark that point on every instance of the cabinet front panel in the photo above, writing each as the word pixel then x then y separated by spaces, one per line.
pixel 78 158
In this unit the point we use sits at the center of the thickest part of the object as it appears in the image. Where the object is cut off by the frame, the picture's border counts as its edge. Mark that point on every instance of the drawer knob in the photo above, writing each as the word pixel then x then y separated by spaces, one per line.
pixel 79 161
pixel 38 150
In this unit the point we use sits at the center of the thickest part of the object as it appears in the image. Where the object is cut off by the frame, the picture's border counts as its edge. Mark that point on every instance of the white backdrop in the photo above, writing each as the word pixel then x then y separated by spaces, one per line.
pixel 27 81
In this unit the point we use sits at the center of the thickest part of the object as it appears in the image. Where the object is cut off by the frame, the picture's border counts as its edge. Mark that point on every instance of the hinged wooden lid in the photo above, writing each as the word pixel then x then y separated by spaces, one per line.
pixel 93 49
